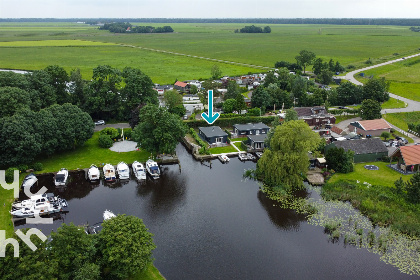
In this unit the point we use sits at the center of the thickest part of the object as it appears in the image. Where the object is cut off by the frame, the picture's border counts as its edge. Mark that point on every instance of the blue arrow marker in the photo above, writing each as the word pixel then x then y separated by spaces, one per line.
pixel 210 118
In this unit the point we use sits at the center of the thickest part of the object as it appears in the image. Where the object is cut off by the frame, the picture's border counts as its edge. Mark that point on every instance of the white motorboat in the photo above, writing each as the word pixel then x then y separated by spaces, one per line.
pixel 109 172
pixel 39 208
pixel 33 200
pixel 93 173
pixel 138 170
pixel 153 169
pixel 123 171
pixel 108 215
pixel 259 154
pixel 61 177
pixel 251 156
pixel 29 181
pixel 223 158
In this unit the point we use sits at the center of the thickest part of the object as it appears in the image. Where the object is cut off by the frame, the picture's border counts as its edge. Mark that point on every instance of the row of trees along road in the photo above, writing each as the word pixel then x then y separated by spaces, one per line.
pixel 122 249
pixel 296 91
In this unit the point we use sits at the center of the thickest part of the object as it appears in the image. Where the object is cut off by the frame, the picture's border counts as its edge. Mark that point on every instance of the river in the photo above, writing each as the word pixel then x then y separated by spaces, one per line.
pixel 208 223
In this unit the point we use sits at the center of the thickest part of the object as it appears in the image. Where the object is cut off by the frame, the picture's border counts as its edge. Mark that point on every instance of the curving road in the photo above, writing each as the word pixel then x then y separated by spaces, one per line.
pixel 412 105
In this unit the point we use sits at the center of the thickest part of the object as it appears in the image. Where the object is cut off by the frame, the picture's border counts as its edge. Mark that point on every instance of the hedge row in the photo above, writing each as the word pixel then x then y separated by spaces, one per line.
pixel 203 149
pixel 231 121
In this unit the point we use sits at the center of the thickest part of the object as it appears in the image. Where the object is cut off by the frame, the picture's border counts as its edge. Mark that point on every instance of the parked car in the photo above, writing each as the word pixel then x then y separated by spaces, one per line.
pixel 386 144
pixel 403 140
pixel 100 122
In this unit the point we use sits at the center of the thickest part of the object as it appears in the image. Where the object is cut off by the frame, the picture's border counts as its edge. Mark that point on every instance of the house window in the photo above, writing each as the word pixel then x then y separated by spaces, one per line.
pixel 219 139
pixel 257 132
pixel 317 120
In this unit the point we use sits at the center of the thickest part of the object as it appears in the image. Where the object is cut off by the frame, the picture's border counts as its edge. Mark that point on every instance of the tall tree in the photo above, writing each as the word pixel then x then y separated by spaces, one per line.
pixel 76 88
pixel 232 90
pixel 376 89
pixel 260 99
pixel 13 99
pixel 370 110
pixel 216 73
pixel 287 159
pixel 172 99
pixel 229 105
pixel 291 115
pixel 138 88
pixel 240 103
pixel 349 93
pixel 125 245
pixel 158 130
pixel 59 79
pixel 340 160
pixel 305 58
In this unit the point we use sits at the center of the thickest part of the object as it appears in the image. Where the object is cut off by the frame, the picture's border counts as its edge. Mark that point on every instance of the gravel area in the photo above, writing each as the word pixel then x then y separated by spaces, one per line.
pixel 124 146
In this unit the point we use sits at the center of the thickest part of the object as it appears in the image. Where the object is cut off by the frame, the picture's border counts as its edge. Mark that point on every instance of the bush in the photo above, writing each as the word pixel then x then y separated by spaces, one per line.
pixel 228 133
pixel 203 150
pixel 22 167
pixel 10 174
pixel 105 141
pixel 37 166
pixel 111 132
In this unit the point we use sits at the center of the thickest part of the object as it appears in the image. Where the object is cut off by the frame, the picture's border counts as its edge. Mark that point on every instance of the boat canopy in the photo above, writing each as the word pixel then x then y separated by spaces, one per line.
pixel 60 177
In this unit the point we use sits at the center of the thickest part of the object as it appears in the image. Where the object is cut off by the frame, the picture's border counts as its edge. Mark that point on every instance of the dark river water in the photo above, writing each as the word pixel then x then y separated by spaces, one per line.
pixel 208 223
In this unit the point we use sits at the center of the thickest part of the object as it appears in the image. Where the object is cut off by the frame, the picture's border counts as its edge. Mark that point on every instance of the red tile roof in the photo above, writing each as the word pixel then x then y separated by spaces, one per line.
pixel 336 130
pixel 180 84
pixel 411 154
pixel 374 124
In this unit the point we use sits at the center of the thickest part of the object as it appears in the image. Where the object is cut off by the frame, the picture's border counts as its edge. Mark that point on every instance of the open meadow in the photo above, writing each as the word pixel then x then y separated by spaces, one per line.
pixel 403 75
pixel 351 45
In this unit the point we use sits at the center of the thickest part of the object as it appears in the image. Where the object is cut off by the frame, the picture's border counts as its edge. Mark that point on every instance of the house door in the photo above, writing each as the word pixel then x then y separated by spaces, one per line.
pixel 219 139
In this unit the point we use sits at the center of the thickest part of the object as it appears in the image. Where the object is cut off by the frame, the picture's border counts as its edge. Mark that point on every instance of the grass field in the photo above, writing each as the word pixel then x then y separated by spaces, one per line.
pixel 239 146
pixel 403 75
pixel 402 120
pixel 393 103
pixel 385 176
pixel 348 44
pixel 222 150
pixel 89 154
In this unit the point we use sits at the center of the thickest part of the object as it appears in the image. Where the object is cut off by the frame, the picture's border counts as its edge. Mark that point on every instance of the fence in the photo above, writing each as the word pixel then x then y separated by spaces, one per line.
pixel 414 133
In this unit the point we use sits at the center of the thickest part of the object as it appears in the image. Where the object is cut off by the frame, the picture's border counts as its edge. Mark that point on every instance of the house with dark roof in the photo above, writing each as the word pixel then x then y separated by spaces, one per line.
pixel 184 87
pixel 250 129
pixel 256 142
pixel 315 116
pixel 408 159
pixel 365 150
pixel 213 134
pixel 370 127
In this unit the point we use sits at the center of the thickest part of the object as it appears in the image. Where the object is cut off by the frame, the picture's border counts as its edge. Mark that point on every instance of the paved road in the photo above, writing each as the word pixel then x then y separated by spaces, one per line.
pixel 115 125
pixel 412 105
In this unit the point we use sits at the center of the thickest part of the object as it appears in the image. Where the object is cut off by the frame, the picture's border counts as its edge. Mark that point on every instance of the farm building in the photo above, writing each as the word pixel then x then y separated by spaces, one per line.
pixel 408 159
pixel 370 127
pixel 365 150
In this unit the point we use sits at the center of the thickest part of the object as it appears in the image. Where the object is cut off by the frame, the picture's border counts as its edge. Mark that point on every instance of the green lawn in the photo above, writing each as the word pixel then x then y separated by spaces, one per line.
pixel 384 176
pixel 341 118
pixel 238 139
pixel 5 217
pixel 89 154
pixel 222 150
pixel 393 103
pixel 402 120
pixel 239 146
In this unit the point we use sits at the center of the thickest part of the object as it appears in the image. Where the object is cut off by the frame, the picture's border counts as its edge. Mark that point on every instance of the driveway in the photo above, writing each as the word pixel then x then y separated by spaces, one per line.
pixel 115 125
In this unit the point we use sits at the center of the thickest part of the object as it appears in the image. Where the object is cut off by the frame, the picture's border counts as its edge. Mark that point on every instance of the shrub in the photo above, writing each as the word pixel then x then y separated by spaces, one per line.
pixel 228 133
pixel 105 141
pixel 127 133
pixel 37 166
pixel 22 167
pixel 203 150
pixel 10 174
pixel 111 132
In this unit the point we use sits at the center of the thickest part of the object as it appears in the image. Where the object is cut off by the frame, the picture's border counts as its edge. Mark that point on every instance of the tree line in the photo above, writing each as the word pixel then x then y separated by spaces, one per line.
pixel 254 29
pixel 126 27
pixel 289 90
pixel 339 21
pixel 120 250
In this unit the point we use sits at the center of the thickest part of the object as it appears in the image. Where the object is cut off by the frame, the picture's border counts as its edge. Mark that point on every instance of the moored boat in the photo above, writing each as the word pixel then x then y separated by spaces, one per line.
pixel 38 205
pixel 108 215
pixel 153 168
pixel 61 177
pixel 29 181
pixel 223 158
pixel 93 173
pixel 242 156
pixel 123 171
pixel 138 170
pixel 109 172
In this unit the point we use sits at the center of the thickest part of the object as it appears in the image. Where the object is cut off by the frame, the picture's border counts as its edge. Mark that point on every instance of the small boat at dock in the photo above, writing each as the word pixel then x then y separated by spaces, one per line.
pixel 93 173
pixel 29 181
pixel 139 170
pixel 37 206
pixel 123 171
pixel 109 172
pixel 153 169
pixel 259 154
pixel 223 158
pixel 61 177
pixel 242 156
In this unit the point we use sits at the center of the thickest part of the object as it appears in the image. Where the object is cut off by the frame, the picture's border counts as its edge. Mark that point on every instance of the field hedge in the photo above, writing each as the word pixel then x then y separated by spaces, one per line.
pixel 231 121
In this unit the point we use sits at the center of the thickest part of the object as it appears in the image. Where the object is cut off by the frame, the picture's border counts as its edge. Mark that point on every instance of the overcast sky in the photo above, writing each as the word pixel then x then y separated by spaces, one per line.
pixel 210 9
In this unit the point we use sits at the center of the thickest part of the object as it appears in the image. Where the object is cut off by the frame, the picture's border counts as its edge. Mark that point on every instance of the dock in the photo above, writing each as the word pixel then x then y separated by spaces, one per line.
pixel 315 177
